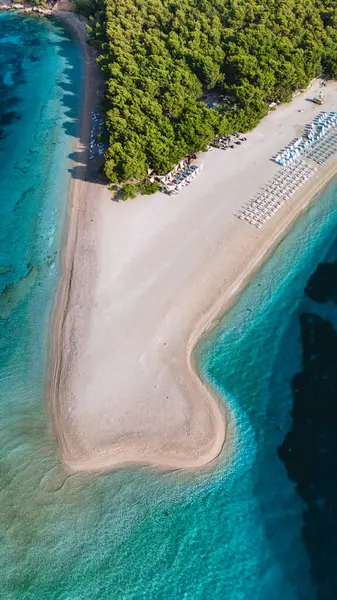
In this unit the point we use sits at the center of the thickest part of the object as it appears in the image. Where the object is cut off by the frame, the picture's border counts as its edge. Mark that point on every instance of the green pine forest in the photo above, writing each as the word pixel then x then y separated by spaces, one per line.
pixel 161 57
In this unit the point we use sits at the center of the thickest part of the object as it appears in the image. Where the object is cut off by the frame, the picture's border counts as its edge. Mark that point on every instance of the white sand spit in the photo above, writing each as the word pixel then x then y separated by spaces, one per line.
pixel 142 280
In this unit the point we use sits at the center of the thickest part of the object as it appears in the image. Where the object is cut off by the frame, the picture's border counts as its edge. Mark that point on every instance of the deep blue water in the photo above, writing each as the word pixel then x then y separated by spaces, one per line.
pixel 263 526
pixel 275 359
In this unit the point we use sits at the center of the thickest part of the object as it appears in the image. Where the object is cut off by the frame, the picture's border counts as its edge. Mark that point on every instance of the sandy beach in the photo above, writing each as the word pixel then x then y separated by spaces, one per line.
pixel 142 281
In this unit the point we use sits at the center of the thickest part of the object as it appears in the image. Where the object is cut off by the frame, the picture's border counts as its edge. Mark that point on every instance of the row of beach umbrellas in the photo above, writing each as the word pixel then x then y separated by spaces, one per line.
pixel 286 183
pixel 315 132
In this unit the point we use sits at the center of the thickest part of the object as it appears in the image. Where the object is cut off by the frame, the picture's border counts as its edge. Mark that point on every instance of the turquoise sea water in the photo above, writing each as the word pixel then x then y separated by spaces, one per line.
pixel 262 527
pixel 274 359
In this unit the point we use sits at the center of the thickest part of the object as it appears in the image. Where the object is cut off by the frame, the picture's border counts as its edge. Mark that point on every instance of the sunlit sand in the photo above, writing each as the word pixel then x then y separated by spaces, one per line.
pixel 142 280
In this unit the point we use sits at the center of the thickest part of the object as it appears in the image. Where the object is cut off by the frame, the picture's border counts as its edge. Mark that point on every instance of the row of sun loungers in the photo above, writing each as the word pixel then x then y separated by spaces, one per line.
pixel 318 144
pixel 286 183
pixel 175 181
pixel 321 125
pixel 315 132
pixel 292 152
pixel 321 150
pixel 97 129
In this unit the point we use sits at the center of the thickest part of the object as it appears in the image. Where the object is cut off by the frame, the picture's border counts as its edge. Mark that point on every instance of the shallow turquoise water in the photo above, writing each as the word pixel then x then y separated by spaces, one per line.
pixel 236 534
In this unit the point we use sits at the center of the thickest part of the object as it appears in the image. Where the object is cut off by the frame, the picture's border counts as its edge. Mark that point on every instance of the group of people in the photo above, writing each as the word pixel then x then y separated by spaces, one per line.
pixel 97 129
pixel 225 141
pixel 288 181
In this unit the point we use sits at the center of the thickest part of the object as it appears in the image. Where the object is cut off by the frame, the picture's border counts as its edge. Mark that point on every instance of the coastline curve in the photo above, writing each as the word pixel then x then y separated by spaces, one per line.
pixel 134 268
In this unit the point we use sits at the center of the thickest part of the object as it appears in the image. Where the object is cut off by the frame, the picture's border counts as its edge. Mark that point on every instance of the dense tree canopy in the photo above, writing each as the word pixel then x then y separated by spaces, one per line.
pixel 159 58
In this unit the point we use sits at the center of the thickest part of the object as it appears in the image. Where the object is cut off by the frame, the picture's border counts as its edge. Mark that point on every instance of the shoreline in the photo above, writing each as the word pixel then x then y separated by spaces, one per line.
pixel 212 319
pixel 210 322
pixel 91 75
pixel 26 9
pixel 223 446
pixel 103 419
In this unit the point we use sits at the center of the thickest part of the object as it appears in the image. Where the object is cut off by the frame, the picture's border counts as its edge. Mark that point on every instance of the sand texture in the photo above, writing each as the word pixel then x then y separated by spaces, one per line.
pixel 141 281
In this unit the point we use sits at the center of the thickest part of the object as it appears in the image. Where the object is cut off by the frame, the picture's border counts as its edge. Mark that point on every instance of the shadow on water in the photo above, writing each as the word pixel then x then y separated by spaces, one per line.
pixel 8 100
pixel 322 286
pixel 309 450
pixel 84 169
